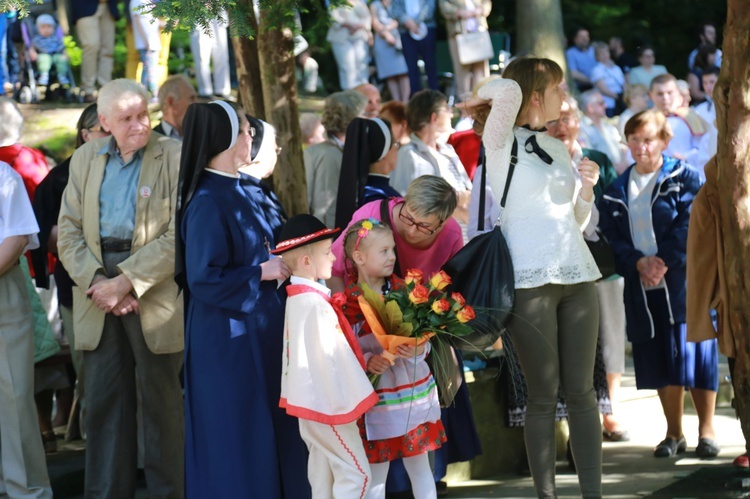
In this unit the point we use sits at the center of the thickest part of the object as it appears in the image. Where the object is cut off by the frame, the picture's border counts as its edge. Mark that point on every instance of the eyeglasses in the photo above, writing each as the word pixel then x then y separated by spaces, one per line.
pixel 97 129
pixel 408 220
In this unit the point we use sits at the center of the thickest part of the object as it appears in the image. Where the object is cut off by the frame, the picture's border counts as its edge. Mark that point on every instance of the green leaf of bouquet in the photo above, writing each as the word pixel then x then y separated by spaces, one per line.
pixel 405 329
pixel 408 315
pixel 393 317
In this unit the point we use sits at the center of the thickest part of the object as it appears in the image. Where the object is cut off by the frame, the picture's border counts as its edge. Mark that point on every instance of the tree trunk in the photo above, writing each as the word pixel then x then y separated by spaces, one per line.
pixel 540 29
pixel 733 179
pixel 277 66
pixel 248 68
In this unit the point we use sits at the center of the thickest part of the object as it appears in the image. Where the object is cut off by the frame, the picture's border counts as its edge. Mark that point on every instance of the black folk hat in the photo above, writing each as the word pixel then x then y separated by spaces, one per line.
pixel 301 230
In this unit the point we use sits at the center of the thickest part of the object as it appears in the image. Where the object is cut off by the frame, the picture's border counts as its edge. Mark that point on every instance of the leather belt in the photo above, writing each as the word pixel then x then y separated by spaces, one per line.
pixel 111 245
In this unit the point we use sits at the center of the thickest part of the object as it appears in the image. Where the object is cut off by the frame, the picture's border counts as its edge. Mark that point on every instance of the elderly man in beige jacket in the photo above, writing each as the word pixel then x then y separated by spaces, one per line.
pixel 116 239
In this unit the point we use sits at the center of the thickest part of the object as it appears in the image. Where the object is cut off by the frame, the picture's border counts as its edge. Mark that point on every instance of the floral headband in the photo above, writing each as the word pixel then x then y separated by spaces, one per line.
pixel 367 226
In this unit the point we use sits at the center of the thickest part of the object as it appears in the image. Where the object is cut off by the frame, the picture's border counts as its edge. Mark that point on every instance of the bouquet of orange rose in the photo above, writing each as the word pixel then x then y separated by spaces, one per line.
pixel 420 311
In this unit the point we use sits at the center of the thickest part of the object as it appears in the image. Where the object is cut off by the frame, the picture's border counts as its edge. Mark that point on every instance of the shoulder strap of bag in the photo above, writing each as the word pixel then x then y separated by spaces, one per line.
pixel 385 219
pixel 511 169
pixel 482 193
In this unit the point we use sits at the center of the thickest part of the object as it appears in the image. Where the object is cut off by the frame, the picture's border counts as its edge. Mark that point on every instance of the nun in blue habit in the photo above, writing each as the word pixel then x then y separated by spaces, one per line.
pixel 229 284
pixel 291 449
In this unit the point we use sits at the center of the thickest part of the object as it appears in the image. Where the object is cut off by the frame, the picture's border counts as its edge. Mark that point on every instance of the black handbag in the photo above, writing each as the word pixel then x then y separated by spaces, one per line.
pixel 482 271
pixel 603 255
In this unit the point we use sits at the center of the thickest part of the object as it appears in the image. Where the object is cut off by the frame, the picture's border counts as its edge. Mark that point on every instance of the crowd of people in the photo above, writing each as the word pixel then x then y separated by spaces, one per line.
pixel 220 345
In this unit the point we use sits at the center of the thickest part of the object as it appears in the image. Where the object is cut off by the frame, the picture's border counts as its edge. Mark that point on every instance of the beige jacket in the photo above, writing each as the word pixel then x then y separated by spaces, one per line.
pixel 453 25
pixel 150 267
pixel 706 278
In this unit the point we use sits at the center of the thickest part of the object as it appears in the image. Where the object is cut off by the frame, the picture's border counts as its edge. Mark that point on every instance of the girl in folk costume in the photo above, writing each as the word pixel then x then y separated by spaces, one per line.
pixel 405 423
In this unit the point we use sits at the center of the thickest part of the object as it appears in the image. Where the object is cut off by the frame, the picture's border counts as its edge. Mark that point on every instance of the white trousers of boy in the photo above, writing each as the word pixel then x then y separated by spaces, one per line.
pixel 337 467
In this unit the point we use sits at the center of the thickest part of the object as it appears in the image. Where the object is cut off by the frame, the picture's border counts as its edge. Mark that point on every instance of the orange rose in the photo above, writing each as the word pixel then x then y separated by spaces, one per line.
pixel 459 299
pixel 465 314
pixel 441 306
pixel 440 280
pixel 419 294
pixel 413 275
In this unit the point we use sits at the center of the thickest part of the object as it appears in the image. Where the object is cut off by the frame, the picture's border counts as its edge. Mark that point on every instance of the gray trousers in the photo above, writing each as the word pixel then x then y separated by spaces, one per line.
pixel 23 469
pixel 554 329
pixel 111 443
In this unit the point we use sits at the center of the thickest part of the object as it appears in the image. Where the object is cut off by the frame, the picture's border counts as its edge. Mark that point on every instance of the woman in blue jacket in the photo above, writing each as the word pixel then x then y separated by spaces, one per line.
pixel 644 215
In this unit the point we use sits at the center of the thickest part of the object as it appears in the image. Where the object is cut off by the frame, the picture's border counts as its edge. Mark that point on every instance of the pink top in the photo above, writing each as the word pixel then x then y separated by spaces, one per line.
pixel 428 260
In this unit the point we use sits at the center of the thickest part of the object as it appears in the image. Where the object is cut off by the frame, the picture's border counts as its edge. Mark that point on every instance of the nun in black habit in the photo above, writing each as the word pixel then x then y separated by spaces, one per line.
pixel 229 283
pixel 369 157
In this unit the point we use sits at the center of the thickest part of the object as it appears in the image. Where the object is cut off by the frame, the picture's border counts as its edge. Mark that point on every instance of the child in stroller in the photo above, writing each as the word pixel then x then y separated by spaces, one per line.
pixel 47 48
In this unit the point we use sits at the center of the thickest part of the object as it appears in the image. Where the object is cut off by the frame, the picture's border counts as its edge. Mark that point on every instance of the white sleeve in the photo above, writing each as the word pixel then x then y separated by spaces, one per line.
pixel 16 214
pixel 498 130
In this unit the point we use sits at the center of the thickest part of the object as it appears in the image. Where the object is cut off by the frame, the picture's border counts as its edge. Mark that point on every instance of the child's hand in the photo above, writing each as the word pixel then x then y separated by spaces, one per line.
pixel 409 351
pixel 378 364
pixel 32 54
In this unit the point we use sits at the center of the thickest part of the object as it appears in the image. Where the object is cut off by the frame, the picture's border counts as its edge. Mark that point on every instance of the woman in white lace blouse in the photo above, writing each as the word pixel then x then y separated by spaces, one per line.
pixel 555 323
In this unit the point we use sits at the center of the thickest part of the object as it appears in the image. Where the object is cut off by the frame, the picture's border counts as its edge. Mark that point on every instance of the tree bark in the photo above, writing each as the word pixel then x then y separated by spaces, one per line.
pixel 248 68
pixel 277 68
pixel 733 179
pixel 540 29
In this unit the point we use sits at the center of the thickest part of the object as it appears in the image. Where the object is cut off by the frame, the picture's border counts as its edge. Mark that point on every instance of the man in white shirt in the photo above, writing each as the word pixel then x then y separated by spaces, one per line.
pixel 598 133
pixel 688 128
pixel 707 108
pixel 707 111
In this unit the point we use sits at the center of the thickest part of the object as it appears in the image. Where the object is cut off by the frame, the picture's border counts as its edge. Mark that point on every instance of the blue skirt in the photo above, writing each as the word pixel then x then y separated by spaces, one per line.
pixel 668 359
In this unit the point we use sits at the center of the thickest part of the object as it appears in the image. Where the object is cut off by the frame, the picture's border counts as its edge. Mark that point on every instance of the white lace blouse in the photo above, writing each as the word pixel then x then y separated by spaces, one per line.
pixel 543 216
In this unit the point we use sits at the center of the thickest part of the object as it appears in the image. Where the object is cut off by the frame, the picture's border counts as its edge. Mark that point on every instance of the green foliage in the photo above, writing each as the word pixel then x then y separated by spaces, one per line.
pixel 75 54
pixel 22 6
pixel 668 25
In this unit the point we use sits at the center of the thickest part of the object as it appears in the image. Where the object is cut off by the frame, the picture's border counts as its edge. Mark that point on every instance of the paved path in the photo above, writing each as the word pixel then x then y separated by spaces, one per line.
pixel 630 470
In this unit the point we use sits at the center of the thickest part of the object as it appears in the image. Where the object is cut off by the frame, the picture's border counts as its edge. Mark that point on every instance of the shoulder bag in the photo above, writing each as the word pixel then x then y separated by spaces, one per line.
pixel 482 271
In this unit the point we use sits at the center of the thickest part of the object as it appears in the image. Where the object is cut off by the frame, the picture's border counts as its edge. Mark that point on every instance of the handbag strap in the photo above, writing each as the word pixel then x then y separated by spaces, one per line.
pixel 483 184
pixel 385 219
pixel 511 169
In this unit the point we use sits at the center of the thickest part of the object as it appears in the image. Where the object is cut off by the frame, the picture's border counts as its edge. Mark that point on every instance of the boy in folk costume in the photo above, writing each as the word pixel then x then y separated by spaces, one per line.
pixel 687 126
pixel 323 380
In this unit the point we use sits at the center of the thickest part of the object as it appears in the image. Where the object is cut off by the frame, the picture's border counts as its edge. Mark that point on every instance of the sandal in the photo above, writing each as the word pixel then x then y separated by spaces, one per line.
pixel 616 435
pixel 49 440
pixel 670 447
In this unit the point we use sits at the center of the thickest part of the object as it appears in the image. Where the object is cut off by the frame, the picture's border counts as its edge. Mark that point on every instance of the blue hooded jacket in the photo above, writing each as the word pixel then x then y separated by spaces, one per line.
pixel 677 184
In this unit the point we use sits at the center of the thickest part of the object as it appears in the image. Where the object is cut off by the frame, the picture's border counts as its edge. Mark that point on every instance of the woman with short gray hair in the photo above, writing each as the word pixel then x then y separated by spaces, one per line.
pixel 323 161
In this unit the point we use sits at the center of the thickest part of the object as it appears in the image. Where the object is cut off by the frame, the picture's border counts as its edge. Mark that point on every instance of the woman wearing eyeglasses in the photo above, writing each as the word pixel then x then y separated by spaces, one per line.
pixel 426 236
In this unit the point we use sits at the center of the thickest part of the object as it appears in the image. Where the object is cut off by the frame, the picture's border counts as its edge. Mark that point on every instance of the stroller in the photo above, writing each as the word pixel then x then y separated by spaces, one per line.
pixel 28 89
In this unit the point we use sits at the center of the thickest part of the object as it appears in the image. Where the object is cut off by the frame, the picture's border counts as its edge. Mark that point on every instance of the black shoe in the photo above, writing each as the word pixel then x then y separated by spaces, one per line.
pixel 707 448
pixel 670 447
